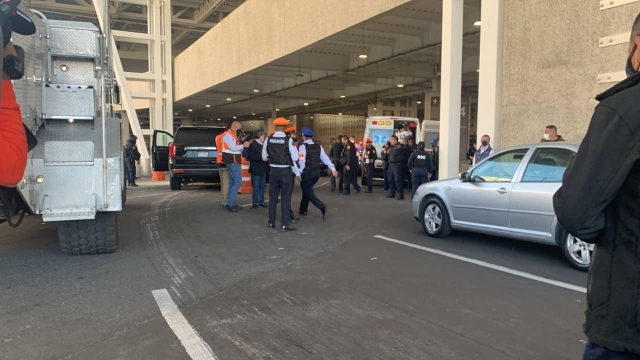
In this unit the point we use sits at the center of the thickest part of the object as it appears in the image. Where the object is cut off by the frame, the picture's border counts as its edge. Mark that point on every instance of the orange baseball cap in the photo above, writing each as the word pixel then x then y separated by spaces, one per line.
pixel 369 141
pixel 290 129
pixel 280 122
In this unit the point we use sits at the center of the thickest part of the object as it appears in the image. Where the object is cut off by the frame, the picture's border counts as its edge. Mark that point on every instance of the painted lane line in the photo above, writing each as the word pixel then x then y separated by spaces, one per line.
pixel 488 265
pixel 142 196
pixel 189 337
pixel 320 185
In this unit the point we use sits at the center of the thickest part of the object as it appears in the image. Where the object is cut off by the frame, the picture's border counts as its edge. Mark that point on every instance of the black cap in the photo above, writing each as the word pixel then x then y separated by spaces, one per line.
pixel 421 144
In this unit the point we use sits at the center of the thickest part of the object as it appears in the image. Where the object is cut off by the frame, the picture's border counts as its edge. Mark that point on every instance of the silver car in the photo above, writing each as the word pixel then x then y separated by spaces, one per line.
pixel 509 194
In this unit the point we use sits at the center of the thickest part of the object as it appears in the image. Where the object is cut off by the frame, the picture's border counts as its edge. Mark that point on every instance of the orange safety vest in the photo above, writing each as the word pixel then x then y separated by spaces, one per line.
pixel 219 148
pixel 228 156
pixel 13 141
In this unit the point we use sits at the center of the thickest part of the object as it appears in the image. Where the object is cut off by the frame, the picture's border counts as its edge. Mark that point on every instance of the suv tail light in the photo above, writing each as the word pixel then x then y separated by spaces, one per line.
pixel 172 149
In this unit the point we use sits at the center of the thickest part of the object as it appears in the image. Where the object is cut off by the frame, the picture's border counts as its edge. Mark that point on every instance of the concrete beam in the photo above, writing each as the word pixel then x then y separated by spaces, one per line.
pixel 260 32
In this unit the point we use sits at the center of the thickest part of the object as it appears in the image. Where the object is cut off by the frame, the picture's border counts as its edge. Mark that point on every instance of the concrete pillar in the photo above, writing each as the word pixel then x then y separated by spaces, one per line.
pixel 490 83
pixel 452 27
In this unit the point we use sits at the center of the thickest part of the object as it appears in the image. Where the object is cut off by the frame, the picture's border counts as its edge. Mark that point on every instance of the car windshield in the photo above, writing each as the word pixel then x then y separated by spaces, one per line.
pixel 197 136
pixel 500 168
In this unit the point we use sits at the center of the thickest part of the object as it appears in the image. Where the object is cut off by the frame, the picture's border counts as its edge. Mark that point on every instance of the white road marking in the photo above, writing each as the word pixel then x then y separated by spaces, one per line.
pixel 487 265
pixel 323 184
pixel 189 337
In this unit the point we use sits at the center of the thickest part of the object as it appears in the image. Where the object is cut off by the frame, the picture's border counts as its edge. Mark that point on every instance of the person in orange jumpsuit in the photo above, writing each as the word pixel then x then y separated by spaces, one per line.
pixel 13 138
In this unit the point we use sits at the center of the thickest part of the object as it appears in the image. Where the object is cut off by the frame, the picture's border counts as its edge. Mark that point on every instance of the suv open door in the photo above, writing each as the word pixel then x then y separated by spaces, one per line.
pixel 160 150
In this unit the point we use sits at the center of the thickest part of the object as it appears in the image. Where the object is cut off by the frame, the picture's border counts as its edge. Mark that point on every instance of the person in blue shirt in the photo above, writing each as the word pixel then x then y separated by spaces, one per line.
pixel 311 155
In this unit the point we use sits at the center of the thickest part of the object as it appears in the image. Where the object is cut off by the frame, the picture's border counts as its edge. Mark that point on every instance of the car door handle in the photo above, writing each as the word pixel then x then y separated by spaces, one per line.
pixel 502 191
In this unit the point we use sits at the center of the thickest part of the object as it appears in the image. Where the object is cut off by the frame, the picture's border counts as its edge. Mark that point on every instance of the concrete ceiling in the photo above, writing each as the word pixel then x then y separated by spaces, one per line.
pixel 191 19
pixel 402 47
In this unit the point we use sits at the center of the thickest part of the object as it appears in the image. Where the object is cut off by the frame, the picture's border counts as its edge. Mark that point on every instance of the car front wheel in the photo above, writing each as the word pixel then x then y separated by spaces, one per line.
pixel 435 219
pixel 577 252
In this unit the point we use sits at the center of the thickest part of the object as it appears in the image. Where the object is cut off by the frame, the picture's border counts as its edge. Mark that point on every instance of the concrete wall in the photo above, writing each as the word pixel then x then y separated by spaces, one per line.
pixel 262 31
pixel 551 62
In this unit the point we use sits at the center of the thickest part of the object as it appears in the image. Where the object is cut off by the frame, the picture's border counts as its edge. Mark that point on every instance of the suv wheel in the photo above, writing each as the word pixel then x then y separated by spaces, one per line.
pixel 435 218
pixel 175 183
pixel 577 252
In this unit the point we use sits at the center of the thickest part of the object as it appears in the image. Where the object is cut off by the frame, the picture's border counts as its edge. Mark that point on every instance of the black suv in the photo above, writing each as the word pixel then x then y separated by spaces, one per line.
pixel 189 155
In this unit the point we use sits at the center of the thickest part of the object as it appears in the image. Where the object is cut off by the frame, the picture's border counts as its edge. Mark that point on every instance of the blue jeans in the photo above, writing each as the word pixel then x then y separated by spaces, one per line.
pixel 595 352
pixel 258 183
pixel 235 181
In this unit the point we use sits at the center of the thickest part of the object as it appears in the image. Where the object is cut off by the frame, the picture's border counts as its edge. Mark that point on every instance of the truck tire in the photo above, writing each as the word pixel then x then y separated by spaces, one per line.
pixel 83 237
pixel 175 183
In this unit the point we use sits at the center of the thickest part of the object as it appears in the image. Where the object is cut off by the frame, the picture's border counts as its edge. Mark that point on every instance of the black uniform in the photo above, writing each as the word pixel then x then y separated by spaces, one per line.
pixel 414 147
pixel 310 176
pixel 370 157
pixel 405 170
pixel 421 165
pixel 335 154
pixel 384 155
pixel 131 155
pixel 280 180
pixel 351 160
pixel 436 163
pixel 397 164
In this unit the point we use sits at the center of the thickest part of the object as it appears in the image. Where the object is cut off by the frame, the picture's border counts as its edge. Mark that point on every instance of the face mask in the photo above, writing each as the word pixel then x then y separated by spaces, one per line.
pixel 629 70
pixel 484 143
pixel 353 140
pixel 547 137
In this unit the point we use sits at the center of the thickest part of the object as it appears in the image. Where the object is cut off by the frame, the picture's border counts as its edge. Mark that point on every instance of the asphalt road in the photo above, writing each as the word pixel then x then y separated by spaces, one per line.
pixel 331 290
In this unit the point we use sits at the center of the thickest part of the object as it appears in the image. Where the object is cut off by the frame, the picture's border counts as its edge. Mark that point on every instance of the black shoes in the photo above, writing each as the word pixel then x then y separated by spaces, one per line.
pixel 303 213
pixel 272 226
pixel 293 221
pixel 324 212
pixel 254 206
pixel 234 208
pixel 263 205
pixel 400 197
pixel 287 228
pixel 390 196
pixel 133 185
pixel 358 191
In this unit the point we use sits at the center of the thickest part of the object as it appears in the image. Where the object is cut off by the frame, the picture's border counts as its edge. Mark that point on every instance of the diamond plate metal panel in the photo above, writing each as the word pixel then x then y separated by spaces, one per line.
pixel 69 102
pixel 73 39
pixel 78 72
pixel 69 188
pixel 64 152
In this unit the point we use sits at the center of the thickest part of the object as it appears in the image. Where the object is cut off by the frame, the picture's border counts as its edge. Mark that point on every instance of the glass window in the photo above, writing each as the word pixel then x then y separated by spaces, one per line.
pixel 163 139
pixel 548 165
pixel 499 168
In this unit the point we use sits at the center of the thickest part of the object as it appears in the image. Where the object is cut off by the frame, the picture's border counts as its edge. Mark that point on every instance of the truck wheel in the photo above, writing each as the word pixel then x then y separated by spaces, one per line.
pixel 83 237
pixel 175 183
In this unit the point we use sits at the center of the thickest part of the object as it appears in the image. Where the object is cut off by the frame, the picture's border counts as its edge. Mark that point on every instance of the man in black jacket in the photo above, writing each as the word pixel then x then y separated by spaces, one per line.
pixel 349 153
pixel 335 151
pixel 257 169
pixel 600 204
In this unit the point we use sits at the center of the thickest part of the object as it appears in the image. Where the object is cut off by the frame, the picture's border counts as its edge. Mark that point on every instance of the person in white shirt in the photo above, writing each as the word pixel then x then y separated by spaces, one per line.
pixel 282 156
pixel 311 155
pixel 232 157
pixel 484 151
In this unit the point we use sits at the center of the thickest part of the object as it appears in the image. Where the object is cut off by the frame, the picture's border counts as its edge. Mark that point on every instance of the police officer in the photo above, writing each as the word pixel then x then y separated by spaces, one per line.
pixel 311 155
pixel 131 156
pixel 407 153
pixel 334 154
pixel 281 153
pixel 384 155
pixel 412 144
pixel 420 165
pixel 435 155
pixel 370 156
pixel 397 162
pixel 350 167
pixel 291 132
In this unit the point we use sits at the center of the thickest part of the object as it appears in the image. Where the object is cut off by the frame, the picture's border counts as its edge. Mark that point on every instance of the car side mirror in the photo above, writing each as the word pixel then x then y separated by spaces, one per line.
pixel 464 176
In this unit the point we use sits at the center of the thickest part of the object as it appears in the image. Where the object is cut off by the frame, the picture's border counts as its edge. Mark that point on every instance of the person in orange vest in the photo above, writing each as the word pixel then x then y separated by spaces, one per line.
pixel 232 158
pixel 222 171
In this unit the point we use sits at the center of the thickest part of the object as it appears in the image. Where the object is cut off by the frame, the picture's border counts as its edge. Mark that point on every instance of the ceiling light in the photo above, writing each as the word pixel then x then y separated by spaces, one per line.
pixel 400 85
pixel 219 119
pixel 176 113
pixel 228 99
pixel 256 90
pixel 477 23
pixel 375 108
pixel 419 102
pixel 208 105
pixel 478 70
pixel 234 117
pixel 190 110
pixel 251 124
pixel 339 113
pixel 306 104
pixel 363 56
pixel 253 114
pixel 277 109
pixel 311 117
pixel 343 96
